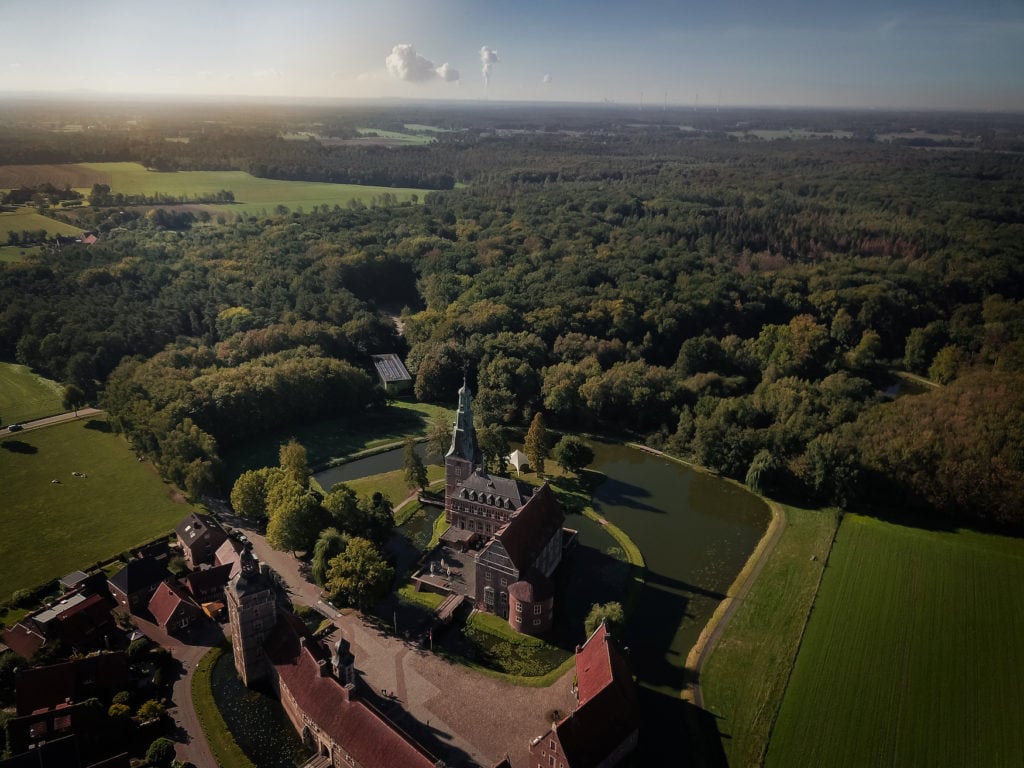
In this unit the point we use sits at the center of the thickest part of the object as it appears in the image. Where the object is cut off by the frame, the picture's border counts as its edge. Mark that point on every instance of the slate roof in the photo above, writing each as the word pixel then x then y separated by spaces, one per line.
pixel 138 575
pixel 526 534
pixel 607 711
pixel 533 587
pixel 197 528
pixel 170 600
pixel 207 581
pixel 366 734
pixel 390 368
pixel 496 491
pixel 230 552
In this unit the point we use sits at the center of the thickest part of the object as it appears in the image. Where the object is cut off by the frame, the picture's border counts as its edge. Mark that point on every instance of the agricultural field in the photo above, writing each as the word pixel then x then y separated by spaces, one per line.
pixel 53 528
pixel 25 395
pixel 912 655
pixel 761 641
pixel 252 195
pixel 29 220
pixel 12 254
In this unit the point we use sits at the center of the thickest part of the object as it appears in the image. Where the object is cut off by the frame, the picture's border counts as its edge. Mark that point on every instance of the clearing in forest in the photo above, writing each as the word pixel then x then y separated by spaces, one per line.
pixel 912 655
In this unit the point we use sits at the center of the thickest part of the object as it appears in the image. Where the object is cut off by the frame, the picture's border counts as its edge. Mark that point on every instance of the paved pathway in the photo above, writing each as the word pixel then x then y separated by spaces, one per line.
pixel 469 719
pixel 190 741
pixel 60 418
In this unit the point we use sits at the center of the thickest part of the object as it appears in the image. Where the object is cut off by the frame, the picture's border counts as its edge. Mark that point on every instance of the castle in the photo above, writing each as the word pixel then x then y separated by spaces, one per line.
pixel 522 527
pixel 316 687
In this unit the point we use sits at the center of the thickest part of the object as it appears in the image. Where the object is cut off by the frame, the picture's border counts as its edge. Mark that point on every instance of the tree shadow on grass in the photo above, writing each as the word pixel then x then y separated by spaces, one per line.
pixel 98 425
pixel 17 446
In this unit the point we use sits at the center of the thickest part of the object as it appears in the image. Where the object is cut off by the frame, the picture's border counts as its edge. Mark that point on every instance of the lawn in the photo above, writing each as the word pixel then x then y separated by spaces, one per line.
pixel 12 254
pixel 913 653
pixel 25 395
pixel 329 443
pixel 50 529
pixel 391 484
pixel 761 641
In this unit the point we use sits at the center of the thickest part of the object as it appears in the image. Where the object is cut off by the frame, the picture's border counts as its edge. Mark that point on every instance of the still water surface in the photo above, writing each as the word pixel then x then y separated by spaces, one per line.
pixel 695 531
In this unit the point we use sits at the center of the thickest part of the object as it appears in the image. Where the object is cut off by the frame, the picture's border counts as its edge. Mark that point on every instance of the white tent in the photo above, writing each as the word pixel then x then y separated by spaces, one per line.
pixel 517 459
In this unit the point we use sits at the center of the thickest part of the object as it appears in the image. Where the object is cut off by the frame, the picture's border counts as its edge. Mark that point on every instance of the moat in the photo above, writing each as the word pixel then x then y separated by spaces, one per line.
pixel 695 531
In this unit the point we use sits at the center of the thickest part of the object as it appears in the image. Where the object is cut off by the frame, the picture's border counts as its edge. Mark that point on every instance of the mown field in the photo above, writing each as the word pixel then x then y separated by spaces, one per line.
pixel 392 484
pixel 913 654
pixel 29 220
pixel 25 396
pixel 745 678
pixel 252 194
pixel 50 529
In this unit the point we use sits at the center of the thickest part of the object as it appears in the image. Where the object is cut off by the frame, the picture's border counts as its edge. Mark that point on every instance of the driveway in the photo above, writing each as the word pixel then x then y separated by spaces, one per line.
pixel 465 718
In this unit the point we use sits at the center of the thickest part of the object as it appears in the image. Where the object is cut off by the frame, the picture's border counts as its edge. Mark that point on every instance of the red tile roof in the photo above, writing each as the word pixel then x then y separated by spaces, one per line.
pixel 23 640
pixel 208 582
pixel 169 601
pixel 607 713
pixel 369 737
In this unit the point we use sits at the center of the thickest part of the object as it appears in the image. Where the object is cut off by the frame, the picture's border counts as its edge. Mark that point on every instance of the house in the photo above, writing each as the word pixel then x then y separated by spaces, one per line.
pixel 393 374
pixel 523 528
pixel 80 620
pixel 199 537
pixel 229 553
pixel 603 729
pixel 132 586
pixel 206 584
pixel 46 688
pixel 173 609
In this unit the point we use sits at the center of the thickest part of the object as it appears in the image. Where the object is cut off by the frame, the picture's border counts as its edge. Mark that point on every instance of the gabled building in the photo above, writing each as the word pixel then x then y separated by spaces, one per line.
pixel 393 374
pixel 603 729
pixel 132 586
pixel 229 553
pixel 206 584
pixel 522 527
pixel 199 537
pixel 46 688
pixel 173 609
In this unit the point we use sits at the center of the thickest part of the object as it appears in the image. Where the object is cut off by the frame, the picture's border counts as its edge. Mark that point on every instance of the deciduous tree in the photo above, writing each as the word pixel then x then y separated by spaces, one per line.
pixel 359 576
pixel 536 443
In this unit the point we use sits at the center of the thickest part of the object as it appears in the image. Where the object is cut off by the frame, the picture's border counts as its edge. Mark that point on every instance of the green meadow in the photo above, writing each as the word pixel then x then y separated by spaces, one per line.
pixel 25 395
pixel 50 529
pixel 913 654
pixel 28 220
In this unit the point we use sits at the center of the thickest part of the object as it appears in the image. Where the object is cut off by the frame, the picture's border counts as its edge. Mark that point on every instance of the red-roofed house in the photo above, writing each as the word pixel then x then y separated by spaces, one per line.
pixel 208 584
pixel 603 729
pixel 44 688
pixel 173 609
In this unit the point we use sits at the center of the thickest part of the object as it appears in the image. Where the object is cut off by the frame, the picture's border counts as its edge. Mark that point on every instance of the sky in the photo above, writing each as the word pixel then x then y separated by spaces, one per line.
pixel 911 54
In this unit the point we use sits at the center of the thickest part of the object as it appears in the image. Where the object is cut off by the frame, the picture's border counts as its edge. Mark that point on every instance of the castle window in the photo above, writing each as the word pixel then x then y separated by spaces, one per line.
pixel 504 581
pixel 536 622
pixel 487 576
pixel 519 607
pixel 537 609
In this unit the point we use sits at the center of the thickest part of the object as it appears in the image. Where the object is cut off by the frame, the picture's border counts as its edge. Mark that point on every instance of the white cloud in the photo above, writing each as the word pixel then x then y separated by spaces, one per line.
pixel 405 64
pixel 488 58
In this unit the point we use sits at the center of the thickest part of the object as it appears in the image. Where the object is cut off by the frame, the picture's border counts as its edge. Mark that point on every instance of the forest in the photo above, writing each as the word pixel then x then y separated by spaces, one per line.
pixel 834 320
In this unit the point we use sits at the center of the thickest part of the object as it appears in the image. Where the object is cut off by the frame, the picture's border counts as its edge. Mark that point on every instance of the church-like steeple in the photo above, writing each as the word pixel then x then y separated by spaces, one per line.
pixel 464 436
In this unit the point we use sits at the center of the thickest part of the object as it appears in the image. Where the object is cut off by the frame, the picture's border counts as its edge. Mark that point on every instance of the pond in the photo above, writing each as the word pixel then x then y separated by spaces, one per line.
pixel 257 722
pixel 695 531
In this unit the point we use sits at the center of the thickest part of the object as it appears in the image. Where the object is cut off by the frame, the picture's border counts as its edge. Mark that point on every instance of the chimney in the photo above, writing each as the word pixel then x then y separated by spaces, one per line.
pixel 323 667
pixel 350 691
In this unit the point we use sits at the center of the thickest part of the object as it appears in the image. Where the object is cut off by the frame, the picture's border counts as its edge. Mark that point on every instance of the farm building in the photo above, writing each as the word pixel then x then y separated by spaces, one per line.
pixel 394 376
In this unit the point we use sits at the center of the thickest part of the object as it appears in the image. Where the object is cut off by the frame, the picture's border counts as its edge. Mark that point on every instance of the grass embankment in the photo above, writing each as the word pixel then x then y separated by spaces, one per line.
pixel 391 484
pixel 334 442
pixel 50 529
pixel 225 751
pixel 744 679
pixel 25 395
pixel 912 655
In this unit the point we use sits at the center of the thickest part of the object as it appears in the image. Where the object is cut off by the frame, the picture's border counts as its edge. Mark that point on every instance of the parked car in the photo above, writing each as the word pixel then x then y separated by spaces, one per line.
pixel 14 428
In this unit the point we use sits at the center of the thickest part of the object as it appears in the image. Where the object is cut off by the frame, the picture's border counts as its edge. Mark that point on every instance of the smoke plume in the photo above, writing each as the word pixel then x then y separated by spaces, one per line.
pixel 404 63
pixel 488 58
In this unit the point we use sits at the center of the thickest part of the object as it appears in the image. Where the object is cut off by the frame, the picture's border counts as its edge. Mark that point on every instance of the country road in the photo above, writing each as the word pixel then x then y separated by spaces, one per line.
pixel 49 421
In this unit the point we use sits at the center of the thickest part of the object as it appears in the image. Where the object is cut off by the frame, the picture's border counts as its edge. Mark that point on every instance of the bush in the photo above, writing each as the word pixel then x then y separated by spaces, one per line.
pixel 119 712
pixel 137 649
pixel 160 752
pixel 151 710
pixel 122 697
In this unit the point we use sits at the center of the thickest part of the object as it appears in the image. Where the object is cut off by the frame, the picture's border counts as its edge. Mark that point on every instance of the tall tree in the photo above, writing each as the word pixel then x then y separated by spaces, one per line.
pixel 572 454
pixel 609 613
pixel 295 522
pixel 74 398
pixel 439 436
pixel 294 461
pixel 329 545
pixel 415 472
pixel 537 443
pixel 359 576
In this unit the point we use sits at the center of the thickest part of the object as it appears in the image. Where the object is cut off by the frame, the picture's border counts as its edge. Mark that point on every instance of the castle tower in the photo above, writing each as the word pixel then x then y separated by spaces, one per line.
pixel 252 612
pixel 464 454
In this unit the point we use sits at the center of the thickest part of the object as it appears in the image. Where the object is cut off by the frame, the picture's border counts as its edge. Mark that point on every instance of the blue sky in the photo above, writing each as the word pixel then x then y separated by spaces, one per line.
pixel 904 54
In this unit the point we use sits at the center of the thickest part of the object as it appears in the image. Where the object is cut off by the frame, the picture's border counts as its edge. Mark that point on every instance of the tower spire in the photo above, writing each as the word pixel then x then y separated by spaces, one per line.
pixel 464 435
